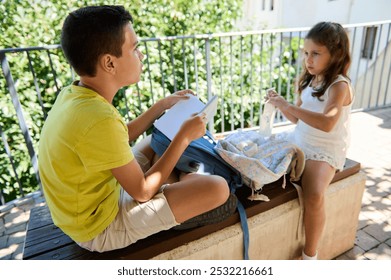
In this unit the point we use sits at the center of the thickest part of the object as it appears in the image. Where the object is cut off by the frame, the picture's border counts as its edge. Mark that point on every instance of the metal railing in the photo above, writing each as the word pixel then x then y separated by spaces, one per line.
pixel 236 66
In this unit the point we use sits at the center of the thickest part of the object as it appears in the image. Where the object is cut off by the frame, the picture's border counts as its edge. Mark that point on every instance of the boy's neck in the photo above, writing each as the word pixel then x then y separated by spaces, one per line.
pixel 81 84
pixel 100 87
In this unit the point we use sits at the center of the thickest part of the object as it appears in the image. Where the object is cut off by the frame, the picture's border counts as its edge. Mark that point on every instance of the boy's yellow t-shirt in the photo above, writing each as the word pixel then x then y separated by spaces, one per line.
pixel 83 138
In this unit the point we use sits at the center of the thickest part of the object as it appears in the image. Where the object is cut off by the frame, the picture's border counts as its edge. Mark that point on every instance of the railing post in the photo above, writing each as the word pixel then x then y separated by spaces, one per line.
pixel 19 113
pixel 209 79
pixel 8 152
pixel 382 68
pixel 368 54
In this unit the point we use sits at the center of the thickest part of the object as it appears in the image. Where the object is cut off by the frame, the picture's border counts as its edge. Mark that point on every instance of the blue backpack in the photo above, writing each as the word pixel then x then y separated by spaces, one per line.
pixel 201 155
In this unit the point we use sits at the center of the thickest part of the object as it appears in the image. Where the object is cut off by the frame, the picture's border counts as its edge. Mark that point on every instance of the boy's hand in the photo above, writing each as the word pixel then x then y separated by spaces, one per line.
pixel 193 128
pixel 172 99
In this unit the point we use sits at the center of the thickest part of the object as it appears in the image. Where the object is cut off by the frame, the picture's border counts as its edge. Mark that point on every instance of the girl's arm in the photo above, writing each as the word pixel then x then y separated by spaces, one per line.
pixel 339 96
pixel 140 124
pixel 289 116
pixel 278 99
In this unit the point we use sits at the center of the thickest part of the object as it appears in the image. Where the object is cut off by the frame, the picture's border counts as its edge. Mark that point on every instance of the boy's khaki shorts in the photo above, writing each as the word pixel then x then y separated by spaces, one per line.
pixel 134 220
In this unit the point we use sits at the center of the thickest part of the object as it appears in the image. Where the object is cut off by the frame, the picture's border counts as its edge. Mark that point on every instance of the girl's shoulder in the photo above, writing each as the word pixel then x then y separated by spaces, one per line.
pixel 340 78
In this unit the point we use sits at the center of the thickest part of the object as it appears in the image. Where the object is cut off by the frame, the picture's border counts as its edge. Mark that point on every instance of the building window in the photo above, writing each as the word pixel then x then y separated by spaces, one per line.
pixel 267 5
pixel 369 43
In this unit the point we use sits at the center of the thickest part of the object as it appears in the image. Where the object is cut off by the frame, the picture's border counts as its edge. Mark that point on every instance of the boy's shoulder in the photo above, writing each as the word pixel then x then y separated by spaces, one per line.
pixel 77 106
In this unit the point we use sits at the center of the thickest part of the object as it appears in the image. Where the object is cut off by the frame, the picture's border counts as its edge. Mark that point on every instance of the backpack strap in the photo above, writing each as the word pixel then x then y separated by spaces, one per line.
pixel 243 220
pixel 246 232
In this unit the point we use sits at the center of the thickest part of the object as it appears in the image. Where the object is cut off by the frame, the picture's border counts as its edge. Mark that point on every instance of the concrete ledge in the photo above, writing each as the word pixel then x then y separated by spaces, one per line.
pixel 273 229
pixel 273 233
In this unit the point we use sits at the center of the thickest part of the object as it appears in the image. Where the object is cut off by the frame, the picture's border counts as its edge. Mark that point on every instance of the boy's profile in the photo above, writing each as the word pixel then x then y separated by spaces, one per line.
pixel 100 192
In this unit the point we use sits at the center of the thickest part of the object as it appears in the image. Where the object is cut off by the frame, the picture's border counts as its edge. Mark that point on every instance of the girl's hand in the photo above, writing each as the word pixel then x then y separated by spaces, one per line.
pixel 172 99
pixel 270 93
pixel 278 101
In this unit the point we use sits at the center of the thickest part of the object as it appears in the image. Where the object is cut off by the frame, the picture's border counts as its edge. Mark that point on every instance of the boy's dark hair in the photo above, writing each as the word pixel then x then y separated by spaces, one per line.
pixel 334 37
pixel 92 31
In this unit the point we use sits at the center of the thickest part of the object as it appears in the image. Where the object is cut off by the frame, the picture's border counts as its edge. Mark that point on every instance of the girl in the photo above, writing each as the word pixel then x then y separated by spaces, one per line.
pixel 322 117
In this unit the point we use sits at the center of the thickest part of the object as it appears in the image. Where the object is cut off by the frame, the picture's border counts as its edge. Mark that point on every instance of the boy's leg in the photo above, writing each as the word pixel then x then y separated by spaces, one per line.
pixel 191 194
pixel 144 146
pixel 196 194
pixel 177 202
pixel 146 157
pixel 316 178
pixel 136 221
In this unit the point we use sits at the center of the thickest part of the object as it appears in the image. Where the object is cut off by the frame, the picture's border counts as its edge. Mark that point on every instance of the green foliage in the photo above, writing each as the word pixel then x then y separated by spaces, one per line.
pixel 242 67
pixel 39 22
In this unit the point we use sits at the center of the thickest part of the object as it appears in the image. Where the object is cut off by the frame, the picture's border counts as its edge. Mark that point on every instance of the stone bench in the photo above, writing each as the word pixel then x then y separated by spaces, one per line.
pixel 273 229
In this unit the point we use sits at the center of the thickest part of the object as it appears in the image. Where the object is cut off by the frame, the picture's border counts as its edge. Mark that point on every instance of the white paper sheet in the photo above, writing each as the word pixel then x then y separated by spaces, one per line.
pixel 172 120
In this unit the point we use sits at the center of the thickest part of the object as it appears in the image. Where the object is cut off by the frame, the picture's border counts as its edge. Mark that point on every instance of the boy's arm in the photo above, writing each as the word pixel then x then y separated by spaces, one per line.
pixel 140 124
pixel 142 187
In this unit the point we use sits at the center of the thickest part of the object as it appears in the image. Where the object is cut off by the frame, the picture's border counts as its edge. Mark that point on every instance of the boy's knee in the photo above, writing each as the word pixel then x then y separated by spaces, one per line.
pixel 221 188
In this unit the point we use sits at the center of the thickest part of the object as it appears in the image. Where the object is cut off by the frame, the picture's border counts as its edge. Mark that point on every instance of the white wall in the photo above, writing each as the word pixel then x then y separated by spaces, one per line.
pixel 369 10
pixel 255 17
pixel 306 13
pixel 303 13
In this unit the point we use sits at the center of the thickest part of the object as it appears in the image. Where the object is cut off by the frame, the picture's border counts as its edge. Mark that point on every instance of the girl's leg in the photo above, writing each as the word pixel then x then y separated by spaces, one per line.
pixel 316 178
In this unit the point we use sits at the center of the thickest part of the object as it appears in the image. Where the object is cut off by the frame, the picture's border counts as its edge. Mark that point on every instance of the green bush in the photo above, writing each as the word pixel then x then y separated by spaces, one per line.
pixel 38 23
pixel 242 67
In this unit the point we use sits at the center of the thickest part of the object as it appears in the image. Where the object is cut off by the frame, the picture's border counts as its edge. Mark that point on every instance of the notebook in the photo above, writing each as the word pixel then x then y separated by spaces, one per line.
pixel 172 120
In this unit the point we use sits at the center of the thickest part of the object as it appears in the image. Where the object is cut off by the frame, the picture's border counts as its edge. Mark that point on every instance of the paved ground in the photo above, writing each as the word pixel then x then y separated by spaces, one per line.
pixel 14 217
pixel 371 146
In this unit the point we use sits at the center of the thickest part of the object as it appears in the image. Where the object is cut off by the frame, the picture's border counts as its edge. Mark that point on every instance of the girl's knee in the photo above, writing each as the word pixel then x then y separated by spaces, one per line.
pixel 314 192
pixel 314 200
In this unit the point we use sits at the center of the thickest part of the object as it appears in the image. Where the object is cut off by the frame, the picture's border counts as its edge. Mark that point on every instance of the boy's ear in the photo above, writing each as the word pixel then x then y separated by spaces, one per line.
pixel 107 63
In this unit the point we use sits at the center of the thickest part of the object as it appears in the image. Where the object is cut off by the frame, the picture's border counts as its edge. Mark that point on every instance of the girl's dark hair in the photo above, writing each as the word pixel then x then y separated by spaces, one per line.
pixel 334 37
pixel 92 31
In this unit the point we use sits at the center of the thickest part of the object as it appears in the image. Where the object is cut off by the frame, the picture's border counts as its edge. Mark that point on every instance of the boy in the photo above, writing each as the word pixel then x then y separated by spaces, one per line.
pixel 101 193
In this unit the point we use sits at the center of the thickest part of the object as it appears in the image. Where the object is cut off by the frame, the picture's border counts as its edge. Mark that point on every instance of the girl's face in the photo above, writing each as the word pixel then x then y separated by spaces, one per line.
pixel 317 57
